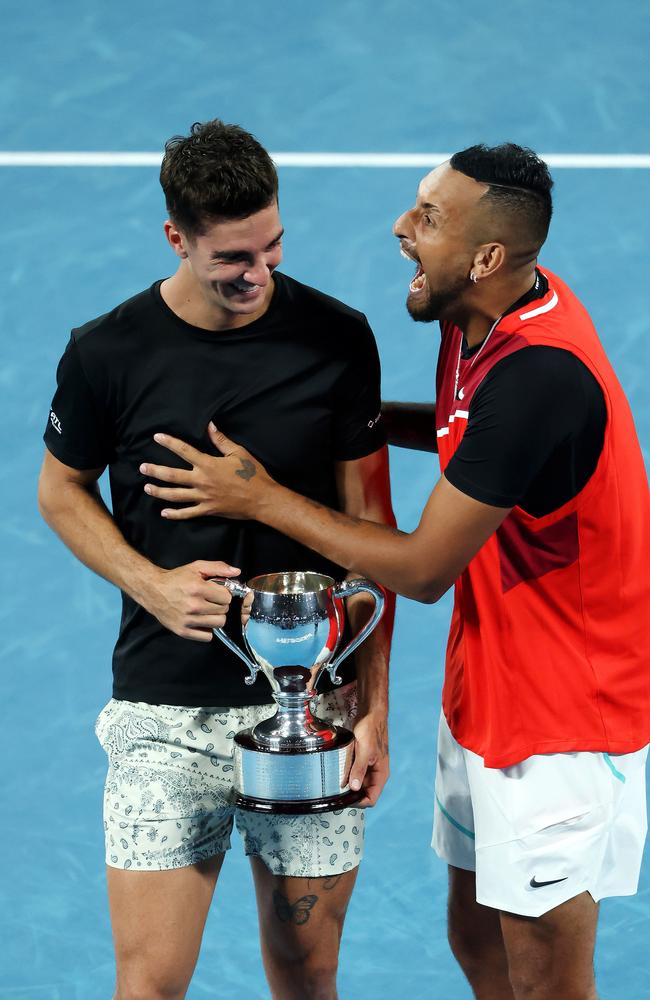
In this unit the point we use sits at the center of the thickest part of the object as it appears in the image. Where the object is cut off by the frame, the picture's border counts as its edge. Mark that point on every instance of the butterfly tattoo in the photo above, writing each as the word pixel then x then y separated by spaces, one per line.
pixel 294 913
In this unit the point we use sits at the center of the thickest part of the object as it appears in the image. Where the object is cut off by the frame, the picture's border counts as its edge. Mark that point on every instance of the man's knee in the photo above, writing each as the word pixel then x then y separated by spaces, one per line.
pixel 535 985
pixel 534 977
pixel 143 991
pixel 318 980
pixel 551 956
pixel 463 948
pixel 311 966
pixel 149 985
pixel 474 938
pixel 469 950
pixel 313 980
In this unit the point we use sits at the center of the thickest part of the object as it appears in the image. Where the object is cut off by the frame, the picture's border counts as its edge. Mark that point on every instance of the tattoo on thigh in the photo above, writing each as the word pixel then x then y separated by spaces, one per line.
pixel 293 913
pixel 330 881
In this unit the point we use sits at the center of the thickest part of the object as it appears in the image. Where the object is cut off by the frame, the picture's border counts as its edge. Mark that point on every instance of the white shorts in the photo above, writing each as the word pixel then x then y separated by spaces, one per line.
pixel 169 799
pixel 544 830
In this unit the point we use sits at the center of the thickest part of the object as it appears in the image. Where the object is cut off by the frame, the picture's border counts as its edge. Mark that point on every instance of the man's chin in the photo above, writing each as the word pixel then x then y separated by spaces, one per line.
pixel 422 311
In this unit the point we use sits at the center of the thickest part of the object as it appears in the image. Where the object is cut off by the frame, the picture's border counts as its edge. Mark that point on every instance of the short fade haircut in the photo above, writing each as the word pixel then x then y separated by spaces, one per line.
pixel 218 171
pixel 519 184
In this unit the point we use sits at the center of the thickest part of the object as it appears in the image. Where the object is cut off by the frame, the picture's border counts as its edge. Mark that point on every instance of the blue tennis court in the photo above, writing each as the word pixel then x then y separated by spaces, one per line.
pixel 348 76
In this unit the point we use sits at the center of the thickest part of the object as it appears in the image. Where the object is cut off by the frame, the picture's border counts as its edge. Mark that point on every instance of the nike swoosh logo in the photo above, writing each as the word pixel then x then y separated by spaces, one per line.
pixel 534 884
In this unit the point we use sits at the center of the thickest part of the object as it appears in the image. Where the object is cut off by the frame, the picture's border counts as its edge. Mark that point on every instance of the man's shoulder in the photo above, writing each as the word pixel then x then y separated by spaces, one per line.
pixel 129 316
pixel 308 299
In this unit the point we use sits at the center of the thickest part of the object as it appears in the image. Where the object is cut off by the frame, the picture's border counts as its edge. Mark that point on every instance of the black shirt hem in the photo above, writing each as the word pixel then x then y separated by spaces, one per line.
pixel 369 448
pixel 170 696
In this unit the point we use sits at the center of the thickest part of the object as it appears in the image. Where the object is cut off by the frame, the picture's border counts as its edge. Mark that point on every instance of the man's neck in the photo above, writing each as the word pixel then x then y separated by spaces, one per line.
pixel 183 294
pixel 483 310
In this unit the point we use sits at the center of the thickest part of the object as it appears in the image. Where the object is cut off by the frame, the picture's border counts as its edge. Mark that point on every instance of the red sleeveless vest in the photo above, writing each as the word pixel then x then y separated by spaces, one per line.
pixel 549 645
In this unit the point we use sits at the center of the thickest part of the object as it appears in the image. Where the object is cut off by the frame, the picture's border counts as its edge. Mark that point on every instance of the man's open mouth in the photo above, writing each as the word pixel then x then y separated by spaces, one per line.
pixel 241 287
pixel 419 280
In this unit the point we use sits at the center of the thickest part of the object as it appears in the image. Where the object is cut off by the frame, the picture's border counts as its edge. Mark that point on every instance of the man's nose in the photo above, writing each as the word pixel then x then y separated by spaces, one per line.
pixel 403 227
pixel 258 273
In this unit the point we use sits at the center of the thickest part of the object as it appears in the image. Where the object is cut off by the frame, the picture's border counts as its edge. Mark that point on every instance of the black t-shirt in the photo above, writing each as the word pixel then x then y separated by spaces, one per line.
pixel 535 428
pixel 299 388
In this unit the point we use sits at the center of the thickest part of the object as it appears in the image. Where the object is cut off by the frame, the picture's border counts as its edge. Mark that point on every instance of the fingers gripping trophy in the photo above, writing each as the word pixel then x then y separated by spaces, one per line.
pixel 294 762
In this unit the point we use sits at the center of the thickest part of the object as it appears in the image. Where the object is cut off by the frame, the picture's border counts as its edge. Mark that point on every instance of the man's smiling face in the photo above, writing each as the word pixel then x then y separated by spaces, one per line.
pixel 437 234
pixel 233 260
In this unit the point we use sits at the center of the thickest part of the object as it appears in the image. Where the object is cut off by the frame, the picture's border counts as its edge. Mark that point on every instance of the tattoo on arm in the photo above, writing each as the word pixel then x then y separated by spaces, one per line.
pixel 247 470
pixel 293 913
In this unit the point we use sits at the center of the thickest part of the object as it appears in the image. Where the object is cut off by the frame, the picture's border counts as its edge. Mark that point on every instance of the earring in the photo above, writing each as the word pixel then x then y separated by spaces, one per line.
pixel 473 278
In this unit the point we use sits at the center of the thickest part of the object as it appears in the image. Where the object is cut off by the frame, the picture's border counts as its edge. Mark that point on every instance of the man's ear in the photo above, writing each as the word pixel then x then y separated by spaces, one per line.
pixel 176 239
pixel 488 259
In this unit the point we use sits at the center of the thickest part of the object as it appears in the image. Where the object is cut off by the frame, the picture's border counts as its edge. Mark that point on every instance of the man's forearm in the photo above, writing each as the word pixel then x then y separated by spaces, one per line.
pixel 378 551
pixel 372 673
pixel 185 599
pixel 410 425
pixel 80 518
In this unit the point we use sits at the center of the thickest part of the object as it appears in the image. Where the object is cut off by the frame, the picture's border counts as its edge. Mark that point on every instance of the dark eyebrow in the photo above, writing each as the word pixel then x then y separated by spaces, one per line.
pixel 240 254
pixel 428 205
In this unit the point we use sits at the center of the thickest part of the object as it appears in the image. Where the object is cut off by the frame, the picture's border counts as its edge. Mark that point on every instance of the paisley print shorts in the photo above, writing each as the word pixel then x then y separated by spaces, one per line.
pixel 169 798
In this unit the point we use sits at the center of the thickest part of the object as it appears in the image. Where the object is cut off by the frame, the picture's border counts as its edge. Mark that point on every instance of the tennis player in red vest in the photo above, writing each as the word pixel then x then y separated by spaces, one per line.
pixel 540 521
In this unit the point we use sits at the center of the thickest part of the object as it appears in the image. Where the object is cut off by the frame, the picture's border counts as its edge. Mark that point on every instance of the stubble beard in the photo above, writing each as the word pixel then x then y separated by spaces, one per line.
pixel 436 305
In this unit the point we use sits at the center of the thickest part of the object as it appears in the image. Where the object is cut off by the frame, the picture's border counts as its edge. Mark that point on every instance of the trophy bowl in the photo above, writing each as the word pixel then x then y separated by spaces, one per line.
pixel 294 762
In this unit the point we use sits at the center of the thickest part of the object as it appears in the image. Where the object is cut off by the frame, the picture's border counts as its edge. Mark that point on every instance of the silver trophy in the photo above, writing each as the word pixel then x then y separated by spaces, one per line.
pixel 294 762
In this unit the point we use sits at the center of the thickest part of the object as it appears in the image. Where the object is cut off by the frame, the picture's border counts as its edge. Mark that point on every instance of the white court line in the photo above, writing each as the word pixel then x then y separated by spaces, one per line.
pixel 580 161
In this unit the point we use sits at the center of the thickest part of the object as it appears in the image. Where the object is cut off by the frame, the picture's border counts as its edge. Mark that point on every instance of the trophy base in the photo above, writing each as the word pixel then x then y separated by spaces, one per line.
pixel 295 779
pixel 299 807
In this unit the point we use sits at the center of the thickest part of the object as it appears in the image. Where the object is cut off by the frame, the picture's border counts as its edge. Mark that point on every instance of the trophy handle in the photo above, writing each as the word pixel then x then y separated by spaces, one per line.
pixel 347 589
pixel 237 590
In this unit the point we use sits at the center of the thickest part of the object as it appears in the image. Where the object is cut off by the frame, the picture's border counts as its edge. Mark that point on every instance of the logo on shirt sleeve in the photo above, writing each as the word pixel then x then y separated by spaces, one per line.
pixel 56 423
pixel 371 423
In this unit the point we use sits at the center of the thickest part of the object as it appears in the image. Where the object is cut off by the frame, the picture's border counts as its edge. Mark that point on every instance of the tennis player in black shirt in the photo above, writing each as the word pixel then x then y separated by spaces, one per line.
pixel 294 374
